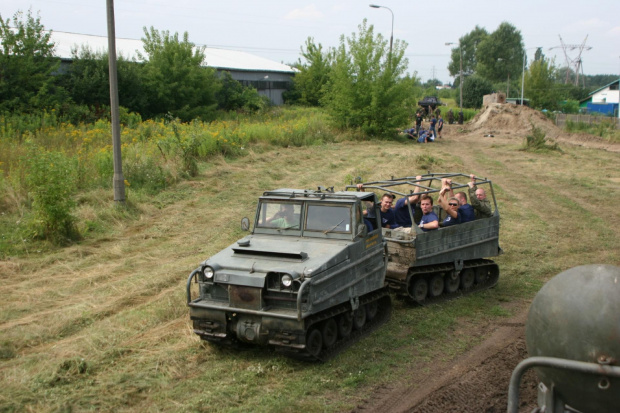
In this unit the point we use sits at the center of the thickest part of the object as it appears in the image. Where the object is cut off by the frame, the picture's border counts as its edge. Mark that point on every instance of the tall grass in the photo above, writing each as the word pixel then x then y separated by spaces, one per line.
pixel 42 155
pixel 606 128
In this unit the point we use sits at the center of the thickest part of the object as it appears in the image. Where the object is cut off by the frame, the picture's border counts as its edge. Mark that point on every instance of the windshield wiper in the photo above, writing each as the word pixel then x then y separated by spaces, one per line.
pixel 289 227
pixel 333 228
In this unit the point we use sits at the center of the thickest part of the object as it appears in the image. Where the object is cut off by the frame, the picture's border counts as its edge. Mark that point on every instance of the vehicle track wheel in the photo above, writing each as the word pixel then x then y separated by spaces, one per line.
pixel 467 278
pixel 493 274
pixel 436 285
pixel 314 342
pixel 371 310
pixel 482 275
pixel 345 325
pixel 359 318
pixel 330 332
pixel 418 289
pixel 452 282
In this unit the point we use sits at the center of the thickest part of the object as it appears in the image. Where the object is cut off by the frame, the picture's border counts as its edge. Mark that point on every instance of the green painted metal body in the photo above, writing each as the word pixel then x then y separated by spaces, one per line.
pixel 449 251
pixel 324 249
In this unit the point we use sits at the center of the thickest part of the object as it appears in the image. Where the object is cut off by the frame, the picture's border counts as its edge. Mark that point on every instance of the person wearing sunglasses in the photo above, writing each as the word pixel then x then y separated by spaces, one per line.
pixel 464 211
pixel 457 209
pixel 451 206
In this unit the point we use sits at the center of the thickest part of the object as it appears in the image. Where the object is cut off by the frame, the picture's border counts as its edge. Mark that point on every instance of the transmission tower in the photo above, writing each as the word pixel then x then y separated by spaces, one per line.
pixel 576 64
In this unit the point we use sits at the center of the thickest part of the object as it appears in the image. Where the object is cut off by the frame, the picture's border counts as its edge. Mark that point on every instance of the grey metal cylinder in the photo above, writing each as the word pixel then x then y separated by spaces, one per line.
pixel 576 316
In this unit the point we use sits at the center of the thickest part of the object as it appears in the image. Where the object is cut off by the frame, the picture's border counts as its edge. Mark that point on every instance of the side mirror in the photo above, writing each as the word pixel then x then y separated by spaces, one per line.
pixel 245 224
pixel 362 231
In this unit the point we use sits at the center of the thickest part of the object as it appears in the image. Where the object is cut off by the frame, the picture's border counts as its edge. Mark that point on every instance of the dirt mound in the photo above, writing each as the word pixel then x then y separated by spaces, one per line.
pixel 517 120
pixel 509 117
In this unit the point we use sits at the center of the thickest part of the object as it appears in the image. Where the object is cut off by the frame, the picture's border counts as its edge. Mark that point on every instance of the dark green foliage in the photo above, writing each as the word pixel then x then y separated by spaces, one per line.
pixel 310 82
pixel 540 87
pixel 570 106
pixel 588 82
pixel 51 181
pixel 568 91
pixel 367 88
pixel 175 78
pixel 87 81
pixel 469 46
pixel 536 141
pixel 500 55
pixel 232 95
pixel 26 65
pixel 474 88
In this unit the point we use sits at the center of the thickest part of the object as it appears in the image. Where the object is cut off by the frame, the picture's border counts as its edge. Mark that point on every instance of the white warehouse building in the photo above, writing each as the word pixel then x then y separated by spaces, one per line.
pixel 268 77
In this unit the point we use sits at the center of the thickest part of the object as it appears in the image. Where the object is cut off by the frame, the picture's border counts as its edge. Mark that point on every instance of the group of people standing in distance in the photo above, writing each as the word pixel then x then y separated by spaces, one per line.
pixel 458 210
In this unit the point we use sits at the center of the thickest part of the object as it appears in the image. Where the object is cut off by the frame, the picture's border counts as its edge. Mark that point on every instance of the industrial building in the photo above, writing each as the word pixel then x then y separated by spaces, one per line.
pixel 268 77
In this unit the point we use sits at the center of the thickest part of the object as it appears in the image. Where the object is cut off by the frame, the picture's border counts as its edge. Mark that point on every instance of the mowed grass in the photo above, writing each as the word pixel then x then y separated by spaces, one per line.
pixel 103 325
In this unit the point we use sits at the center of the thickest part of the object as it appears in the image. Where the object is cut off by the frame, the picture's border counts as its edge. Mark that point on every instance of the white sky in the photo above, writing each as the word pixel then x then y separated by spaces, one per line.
pixel 276 29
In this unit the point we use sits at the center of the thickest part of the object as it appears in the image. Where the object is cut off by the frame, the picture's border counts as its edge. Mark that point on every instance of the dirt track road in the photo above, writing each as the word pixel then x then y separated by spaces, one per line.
pixel 475 382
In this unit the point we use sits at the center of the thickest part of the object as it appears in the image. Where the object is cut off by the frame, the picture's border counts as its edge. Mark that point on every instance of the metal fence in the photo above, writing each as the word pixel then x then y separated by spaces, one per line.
pixel 561 118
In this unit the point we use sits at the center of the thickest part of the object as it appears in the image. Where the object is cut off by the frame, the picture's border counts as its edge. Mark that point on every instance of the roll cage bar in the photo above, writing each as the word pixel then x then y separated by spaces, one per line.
pixel 406 186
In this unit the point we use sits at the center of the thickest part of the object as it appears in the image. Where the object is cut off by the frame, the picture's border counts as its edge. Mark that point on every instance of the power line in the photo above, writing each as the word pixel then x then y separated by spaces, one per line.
pixel 575 63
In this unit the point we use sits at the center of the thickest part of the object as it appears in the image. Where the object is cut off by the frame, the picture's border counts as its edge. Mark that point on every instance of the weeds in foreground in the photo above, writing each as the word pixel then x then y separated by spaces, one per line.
pixel 45 162
pixel 537 141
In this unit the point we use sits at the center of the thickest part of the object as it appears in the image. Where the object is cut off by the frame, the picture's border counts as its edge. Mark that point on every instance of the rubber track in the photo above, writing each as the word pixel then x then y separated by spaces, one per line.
pixel 383 315
pixel 432 269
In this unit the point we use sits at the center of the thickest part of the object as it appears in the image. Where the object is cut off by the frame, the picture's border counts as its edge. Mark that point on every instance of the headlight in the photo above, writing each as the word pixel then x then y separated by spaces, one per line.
pixel 208 272
pixel 287 280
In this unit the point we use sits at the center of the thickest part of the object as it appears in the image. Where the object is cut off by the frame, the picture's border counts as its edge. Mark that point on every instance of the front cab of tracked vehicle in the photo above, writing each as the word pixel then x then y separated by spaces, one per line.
pixel 291 276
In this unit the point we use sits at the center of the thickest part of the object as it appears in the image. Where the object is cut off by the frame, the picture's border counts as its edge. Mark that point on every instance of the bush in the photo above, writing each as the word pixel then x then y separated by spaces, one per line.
pixel 536 141
pixel 51 182
pixel 570 106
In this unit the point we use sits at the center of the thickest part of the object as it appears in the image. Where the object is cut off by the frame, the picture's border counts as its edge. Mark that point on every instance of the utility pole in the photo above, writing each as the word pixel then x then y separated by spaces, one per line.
pixel 119 180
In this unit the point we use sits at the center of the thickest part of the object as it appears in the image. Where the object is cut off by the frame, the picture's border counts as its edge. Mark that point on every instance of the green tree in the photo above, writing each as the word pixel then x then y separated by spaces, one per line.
pixel 232 95
pixel 26 64
pixel 367 88
pixel 500 55
pixel 540 87
pixel 87 81
pixel 313 73
pixel 539 54
pixel 474 88
pixel 175 79
pixel 469 46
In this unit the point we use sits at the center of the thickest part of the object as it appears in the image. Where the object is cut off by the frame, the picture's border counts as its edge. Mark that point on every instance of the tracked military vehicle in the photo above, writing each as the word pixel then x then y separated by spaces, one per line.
pixel 429 104
pixel 308 280
pixel 438 264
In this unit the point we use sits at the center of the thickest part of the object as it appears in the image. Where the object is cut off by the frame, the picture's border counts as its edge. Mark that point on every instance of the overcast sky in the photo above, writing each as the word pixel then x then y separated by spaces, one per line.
pixel 277 29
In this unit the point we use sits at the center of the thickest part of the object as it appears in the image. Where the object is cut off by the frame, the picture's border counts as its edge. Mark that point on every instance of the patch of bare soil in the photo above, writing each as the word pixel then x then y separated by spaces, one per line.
pixel 475 382
pixel 508 119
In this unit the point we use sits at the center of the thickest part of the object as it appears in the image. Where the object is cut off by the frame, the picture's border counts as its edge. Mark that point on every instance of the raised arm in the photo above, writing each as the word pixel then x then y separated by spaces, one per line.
pixel 443 202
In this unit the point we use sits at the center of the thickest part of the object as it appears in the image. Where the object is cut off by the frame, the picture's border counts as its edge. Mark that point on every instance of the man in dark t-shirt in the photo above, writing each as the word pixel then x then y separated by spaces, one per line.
pixel 429 220
pixel 388 218
pixel 418 122
pixel 401 209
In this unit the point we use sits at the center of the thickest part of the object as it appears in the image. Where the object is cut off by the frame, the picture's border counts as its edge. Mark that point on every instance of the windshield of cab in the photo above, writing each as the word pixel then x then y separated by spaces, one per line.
pixel 309 217
pixel 282 215
pixel 328 218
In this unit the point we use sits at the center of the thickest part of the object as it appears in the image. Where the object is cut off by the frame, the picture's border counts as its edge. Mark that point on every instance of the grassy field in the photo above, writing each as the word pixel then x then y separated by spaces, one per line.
pixel 103 325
